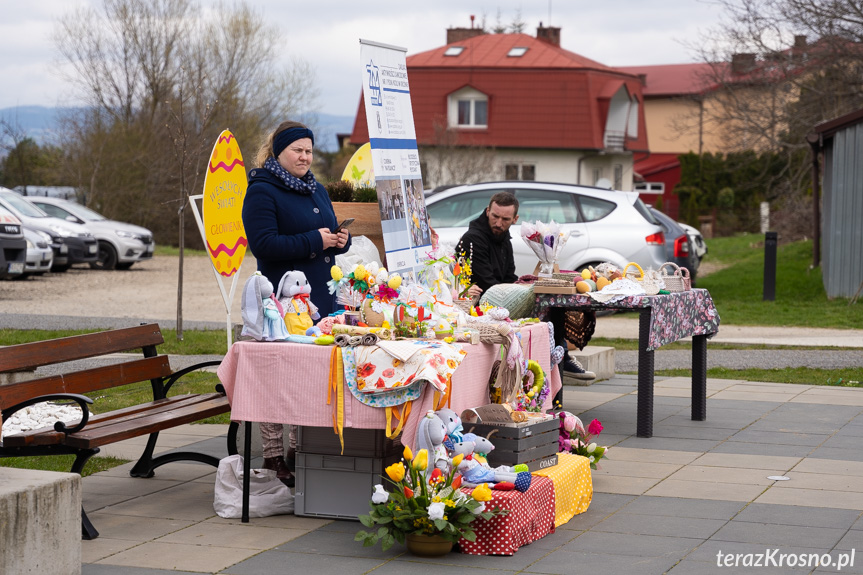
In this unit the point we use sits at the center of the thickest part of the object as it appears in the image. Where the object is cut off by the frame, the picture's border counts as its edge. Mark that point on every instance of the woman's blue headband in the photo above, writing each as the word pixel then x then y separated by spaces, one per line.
pixel 286 137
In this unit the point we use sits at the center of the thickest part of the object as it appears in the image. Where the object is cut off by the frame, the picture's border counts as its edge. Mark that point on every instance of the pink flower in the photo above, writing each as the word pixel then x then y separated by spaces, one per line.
pixel 595 427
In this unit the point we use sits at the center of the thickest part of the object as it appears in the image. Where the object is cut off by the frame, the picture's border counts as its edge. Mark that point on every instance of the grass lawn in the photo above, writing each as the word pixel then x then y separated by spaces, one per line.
pixel 738 289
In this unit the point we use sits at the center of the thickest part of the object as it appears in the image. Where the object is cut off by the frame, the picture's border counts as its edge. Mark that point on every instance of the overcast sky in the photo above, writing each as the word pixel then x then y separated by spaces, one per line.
pixel 326 33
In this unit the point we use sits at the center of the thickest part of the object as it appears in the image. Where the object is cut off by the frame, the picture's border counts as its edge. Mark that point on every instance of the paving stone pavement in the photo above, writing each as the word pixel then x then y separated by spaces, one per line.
pixel 695 494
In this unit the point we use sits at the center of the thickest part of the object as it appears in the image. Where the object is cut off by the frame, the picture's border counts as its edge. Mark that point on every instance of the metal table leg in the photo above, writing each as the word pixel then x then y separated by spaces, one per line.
pixel 699 377
pixel 644 422
pixel 247 467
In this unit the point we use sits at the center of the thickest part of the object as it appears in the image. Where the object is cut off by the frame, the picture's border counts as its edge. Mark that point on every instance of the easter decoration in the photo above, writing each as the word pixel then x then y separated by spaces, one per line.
pixel 299 311
pixel 546 241
pixel 262 315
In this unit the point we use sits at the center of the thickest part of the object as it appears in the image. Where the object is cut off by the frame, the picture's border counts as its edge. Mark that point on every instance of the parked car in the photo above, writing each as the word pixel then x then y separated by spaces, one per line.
pixel 72 243
pixel 120 244
pixel 697 240
pixel 40 256
pixel 604 225
pixel 678 245
pixel 13 248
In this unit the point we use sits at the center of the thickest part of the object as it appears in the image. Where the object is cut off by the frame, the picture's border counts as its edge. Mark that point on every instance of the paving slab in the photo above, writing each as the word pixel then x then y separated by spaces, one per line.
pixel 795 536
pixel 796 515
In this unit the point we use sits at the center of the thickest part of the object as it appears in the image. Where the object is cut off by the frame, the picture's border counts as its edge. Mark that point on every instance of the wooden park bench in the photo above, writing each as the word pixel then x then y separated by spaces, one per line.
pixel 84 437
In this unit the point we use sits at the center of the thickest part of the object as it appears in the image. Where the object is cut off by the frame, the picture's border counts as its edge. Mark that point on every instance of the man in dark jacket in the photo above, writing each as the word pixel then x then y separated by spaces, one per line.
pixel 488 243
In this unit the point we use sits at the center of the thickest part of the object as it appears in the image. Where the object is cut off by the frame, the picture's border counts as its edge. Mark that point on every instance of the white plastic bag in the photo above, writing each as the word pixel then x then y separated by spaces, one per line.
pixel 267 494
pixel 362 251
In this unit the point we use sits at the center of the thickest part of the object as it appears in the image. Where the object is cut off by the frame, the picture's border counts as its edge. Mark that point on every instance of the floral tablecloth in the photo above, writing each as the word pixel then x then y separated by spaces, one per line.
pixel 673 316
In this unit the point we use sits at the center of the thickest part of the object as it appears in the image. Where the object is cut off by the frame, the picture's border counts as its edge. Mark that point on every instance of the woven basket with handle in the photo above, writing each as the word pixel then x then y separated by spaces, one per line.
pixel 650 286
pixel 678 281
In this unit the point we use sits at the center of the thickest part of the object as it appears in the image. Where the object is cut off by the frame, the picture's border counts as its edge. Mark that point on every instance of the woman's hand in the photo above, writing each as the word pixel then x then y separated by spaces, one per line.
pixel 330 239
pixel 343 238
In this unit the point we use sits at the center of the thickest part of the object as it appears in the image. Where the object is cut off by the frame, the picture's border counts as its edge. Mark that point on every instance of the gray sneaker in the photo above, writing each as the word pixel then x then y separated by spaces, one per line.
pixel 573 368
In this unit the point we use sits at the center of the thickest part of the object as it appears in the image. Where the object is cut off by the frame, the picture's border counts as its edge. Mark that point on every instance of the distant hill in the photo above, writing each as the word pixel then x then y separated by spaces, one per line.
pixel 39 123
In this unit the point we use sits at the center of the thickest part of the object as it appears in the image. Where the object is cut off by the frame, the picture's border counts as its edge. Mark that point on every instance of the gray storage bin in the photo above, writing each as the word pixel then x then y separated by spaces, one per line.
pixel 337 486
pixel 358 442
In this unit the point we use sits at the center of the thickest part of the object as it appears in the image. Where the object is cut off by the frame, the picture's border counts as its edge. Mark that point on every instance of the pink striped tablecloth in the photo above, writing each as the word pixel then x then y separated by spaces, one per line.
pixel 284 382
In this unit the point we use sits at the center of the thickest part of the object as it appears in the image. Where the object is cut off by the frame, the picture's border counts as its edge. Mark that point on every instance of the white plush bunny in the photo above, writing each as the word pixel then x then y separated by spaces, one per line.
pixel 299 311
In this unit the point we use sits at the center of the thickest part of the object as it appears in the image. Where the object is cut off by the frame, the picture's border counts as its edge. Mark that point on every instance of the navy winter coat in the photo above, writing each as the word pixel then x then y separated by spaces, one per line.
pixel 282 228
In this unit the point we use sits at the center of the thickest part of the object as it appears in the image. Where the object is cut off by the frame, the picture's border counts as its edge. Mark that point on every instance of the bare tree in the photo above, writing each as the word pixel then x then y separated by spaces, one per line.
pixel 131 60
pixel 450 160
pixel 776 69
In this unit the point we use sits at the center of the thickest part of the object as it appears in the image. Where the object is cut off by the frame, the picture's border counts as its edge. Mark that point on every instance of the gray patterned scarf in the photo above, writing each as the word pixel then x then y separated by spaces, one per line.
pixel 305 185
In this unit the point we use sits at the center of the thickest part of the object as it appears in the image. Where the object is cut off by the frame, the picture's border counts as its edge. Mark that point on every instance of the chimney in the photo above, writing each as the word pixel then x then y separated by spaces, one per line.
pixel 548 35
pixel 742 63
pixel 454 35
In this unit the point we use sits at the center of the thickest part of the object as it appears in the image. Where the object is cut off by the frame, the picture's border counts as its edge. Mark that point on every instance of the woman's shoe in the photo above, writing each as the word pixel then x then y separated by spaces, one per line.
pixel 278 465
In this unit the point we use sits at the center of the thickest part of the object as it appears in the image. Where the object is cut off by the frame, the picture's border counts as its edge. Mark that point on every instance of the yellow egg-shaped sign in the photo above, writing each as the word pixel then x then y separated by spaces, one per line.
pixel 224 190
pixel 360 171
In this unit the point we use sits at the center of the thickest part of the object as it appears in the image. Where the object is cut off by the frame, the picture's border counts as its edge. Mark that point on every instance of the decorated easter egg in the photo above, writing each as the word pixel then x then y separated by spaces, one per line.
pixel 360 171
pixel 224 190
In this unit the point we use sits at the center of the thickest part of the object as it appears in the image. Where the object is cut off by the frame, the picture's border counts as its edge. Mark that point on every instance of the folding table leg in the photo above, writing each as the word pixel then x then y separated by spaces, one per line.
pixel 699 377
pixel 644 422
pixel 247 466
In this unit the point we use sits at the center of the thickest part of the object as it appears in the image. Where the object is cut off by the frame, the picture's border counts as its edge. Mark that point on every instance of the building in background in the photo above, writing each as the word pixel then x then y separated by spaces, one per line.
pixel 518 107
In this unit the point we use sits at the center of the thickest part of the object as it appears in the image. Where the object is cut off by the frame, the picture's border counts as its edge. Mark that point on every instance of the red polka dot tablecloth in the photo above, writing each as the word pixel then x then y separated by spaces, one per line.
pixel 531 517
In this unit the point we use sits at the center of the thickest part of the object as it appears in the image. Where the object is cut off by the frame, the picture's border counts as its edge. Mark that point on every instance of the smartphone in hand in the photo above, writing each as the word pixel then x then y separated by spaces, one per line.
pixel 344 225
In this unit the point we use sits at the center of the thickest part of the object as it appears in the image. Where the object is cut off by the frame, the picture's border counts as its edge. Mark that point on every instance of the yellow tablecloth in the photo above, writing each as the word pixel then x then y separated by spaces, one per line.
pixel 573 486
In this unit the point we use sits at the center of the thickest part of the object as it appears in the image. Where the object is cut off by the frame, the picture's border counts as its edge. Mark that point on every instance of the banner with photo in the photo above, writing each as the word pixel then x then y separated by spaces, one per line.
pixel 395 159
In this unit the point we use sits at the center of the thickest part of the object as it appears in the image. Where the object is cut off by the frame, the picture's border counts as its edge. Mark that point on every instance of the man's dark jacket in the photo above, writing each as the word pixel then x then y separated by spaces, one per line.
pixel 492 262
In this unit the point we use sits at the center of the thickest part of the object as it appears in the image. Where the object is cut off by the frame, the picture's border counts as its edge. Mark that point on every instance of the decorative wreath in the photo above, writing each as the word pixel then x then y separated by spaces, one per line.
pixel 536 387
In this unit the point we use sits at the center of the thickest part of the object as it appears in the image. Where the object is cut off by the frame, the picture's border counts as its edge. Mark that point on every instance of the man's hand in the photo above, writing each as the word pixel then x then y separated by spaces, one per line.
pixel 474 290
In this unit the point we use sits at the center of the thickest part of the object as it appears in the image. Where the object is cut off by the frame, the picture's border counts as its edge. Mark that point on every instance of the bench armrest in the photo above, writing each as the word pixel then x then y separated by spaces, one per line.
pixel 81 400
pixel 168 382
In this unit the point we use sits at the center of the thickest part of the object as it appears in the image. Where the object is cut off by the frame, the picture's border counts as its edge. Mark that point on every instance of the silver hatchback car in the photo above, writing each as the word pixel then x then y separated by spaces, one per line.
pixel 120 244
pixel 604 225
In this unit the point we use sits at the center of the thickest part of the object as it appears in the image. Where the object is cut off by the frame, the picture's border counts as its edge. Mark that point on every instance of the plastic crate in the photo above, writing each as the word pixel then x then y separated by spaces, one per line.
pixel 337 486
pixel 358 442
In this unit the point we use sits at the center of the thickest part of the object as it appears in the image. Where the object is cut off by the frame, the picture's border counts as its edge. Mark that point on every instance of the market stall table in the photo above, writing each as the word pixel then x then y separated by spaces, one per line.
pixel 289 383
pixel 663 319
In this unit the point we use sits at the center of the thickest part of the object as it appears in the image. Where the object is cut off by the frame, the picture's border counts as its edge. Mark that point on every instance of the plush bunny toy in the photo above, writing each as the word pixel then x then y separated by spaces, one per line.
pixel 293 293
pixel 262 314
pixel 431 433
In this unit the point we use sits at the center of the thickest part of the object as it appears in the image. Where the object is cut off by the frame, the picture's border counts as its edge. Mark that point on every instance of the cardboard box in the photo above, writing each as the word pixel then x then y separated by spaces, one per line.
pixel 555 289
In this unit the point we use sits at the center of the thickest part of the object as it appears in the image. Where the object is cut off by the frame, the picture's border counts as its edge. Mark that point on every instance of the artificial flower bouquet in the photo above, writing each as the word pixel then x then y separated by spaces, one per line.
pixel 422 504
pixel 462 273
pixel 546 241
pixel 575 439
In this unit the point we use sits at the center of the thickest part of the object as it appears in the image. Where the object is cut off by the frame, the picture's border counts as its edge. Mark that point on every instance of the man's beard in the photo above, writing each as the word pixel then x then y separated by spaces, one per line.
pixel 498 233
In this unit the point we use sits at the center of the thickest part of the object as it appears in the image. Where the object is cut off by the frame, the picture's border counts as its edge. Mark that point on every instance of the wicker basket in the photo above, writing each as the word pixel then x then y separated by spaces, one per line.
pixel 678 281
pixel 465 304
pixel 632 274
pixel 570 277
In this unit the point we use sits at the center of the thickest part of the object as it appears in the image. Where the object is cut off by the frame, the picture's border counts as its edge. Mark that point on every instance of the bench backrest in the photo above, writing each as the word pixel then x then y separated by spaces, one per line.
pixel 83 381
pixel 48 352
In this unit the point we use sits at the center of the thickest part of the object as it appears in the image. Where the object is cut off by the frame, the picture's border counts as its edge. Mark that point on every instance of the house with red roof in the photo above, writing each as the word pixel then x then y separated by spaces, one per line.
pixel 514 106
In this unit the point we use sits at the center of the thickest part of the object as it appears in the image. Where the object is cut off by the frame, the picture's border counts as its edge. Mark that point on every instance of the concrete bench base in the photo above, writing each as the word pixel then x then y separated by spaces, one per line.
pixel 599 360
pixel 40 522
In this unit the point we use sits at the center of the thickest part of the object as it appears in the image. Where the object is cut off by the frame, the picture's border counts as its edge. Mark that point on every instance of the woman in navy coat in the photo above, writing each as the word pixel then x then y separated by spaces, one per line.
pixel 288 215
pixel 289 221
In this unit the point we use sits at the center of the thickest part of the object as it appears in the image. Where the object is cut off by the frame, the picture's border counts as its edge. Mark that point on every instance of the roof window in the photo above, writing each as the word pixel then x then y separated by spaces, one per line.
pixel 517 52
pixel 454 51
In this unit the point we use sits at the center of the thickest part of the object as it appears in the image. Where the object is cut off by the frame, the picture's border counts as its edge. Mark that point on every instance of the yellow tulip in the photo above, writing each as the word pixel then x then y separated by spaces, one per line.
pixel 482 492
pixel 408 454
pixel 457 459
pixel 421 460
pixel 396 471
